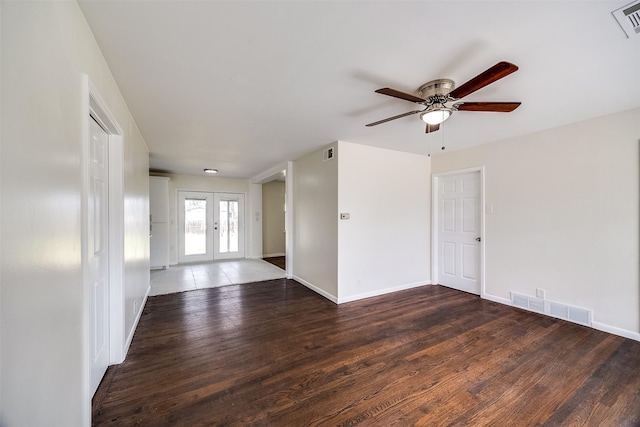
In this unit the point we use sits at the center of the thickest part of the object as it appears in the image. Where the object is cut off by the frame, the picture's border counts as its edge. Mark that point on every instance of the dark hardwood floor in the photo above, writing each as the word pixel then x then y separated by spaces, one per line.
pixel 278 261
pixel 277 354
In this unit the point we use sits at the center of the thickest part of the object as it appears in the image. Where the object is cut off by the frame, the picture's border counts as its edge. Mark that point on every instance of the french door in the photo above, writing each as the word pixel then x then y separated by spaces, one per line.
pixel 228 225
pixel 210 226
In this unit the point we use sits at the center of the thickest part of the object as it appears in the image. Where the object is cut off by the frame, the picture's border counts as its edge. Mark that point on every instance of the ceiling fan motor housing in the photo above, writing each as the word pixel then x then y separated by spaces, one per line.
pixel 440 87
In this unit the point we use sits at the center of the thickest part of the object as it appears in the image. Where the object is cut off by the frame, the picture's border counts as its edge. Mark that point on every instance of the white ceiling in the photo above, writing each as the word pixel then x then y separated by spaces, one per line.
pixel 242 86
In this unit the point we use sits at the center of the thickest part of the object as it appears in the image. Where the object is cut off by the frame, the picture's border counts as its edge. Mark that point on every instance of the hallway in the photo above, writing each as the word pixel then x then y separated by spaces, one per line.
pixel 186 277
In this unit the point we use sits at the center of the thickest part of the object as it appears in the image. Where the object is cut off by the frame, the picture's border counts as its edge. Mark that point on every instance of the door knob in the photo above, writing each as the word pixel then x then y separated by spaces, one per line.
pixel 478 239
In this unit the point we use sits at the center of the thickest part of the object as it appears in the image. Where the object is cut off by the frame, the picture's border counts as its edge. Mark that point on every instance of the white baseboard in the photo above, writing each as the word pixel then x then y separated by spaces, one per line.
pixel 273 255
pixel 595 325
pixel 616 331
pixel 135 324
pixel 498 299
pixel 382 291
pixel 316 289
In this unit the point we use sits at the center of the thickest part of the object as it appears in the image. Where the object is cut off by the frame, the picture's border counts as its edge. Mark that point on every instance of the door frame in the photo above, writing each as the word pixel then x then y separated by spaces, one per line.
pixel 435 196
pixel 269 175
pixel 94 106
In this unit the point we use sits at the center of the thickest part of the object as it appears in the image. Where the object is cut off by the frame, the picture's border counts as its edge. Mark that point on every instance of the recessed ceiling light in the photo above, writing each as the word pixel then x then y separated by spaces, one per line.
pixel 211 171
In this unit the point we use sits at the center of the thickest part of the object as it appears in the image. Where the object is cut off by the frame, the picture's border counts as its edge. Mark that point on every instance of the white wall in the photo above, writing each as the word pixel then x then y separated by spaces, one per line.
pixel 273 227
pixel 385 245
pixel 46 48
pixel 315 222
pixel 209 184
pixel 565 216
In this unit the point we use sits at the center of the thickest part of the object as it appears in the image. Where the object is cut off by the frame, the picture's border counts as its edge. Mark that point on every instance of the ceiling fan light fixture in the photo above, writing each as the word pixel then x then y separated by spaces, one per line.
pixel 435 117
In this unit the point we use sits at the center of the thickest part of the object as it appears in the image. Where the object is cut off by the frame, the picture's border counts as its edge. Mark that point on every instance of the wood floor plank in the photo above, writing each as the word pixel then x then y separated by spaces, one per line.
pixel 277 354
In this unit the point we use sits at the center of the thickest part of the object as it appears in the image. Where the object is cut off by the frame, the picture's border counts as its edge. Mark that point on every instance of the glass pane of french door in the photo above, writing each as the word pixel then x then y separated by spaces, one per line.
pixel 195 227
pixel 229 236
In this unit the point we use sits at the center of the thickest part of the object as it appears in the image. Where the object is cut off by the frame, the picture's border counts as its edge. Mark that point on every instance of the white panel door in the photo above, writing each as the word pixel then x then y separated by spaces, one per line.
pixel 228 225
pixel 195 226
pixel 98 252
pixel 459 201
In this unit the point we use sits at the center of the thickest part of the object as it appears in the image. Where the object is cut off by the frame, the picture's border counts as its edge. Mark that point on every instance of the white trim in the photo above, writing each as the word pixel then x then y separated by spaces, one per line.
pixel 270 174
pixel 316 289
pixel 84 256
pixel 616 331
pixel 117 350
pixel 500 300
pixel 127 343
pixel 435 192
pixel 288 221
pixel 383 291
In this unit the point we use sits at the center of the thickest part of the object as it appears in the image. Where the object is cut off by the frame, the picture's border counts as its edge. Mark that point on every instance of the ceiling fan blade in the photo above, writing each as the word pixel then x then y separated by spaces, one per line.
pixel 498 107
pixel 398 94
pixel 393 118
pixel 498 71
pixel 432 128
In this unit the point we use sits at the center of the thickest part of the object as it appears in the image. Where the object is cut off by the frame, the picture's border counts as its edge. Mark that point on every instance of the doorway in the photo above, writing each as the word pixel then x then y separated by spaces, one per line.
pixel 274 234
pixel 458 226
pixel 210 226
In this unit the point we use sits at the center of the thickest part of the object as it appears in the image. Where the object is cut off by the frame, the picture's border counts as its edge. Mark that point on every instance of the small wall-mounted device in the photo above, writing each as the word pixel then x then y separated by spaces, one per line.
pixel 345 216
pixel 327 154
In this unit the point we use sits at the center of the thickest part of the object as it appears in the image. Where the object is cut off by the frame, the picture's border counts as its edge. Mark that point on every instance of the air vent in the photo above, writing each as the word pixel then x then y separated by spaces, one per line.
pixel 328 154
pixel 558 310
pixel 580 315
pixel 552 308
pixel 536 304
pixel 629 18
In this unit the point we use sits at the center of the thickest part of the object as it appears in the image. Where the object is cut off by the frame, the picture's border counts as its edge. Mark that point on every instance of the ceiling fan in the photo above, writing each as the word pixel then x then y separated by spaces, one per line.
pixel 438 95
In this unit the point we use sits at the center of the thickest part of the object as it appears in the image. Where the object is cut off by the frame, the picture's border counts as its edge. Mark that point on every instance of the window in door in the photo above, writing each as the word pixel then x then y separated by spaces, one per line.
pixel 195 227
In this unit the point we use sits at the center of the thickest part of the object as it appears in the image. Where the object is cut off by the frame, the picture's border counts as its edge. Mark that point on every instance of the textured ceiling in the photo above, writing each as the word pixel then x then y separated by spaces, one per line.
pixel 242 86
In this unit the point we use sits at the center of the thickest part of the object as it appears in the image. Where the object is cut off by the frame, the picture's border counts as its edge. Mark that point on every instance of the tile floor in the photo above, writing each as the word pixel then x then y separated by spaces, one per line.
pixel 186 277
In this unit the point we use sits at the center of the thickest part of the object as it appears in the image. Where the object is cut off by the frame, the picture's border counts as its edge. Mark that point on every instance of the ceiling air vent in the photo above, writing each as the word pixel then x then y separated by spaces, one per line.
pixel 328 154
pixel 629 18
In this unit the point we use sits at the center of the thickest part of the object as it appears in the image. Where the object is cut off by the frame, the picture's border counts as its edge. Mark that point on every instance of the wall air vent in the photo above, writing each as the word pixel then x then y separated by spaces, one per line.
pixel 552 308
pixel 629 18
pixel 328 154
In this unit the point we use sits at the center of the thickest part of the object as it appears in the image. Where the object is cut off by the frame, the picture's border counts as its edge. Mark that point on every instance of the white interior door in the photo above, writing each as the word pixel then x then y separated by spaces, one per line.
pixel 459 225
pixel 98 252
pixel 195 226
pixel 228 225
